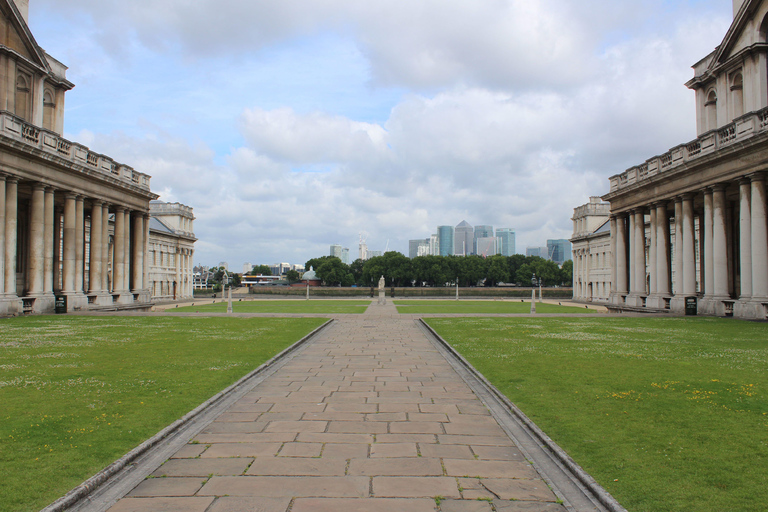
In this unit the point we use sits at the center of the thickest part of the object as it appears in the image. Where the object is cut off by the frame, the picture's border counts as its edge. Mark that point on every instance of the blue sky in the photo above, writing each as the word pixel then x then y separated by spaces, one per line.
pixel 290 126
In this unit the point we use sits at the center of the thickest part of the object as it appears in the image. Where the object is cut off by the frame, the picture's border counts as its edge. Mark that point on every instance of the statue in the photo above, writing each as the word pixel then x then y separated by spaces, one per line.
pixel 382 298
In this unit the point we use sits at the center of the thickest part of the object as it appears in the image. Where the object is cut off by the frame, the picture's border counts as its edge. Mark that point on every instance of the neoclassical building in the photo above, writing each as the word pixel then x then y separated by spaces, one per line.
pixel 592 252
pixel 73 223
pixel 698 212
pixel 171 251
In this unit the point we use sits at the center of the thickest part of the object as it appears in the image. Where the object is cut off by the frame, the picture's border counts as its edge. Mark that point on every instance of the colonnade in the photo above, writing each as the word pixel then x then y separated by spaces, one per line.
pixel 732 269
pixel 45 250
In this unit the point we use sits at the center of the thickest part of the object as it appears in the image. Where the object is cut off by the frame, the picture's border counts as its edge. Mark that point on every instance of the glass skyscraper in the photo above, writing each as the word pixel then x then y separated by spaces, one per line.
pixel 445 236
pixel 506 238
pixel 463 239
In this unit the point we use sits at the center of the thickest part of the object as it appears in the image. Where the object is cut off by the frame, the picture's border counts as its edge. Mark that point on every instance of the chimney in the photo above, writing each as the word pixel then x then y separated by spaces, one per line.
pixel 736 5
pixel 23 6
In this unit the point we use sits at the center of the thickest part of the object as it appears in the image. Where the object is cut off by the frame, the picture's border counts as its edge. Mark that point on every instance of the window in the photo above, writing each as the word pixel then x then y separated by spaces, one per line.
pixel 737 94
pixel 49 110
pixel 710 109
pixel 23 96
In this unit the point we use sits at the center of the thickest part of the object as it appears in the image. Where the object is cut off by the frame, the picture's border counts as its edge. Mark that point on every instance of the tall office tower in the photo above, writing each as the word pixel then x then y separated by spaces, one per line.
pixel 463 239
pixel 413 247
pixel 345 255
pixel 487 246
pixel 445 236
pixel 559 250
pixel 434 245
pixel 541 252
pixel 506 238
pixel 336 250
pixel 481 232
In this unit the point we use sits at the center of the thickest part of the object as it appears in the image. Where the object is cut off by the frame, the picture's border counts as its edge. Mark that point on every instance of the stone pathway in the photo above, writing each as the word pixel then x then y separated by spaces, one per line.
pixel 369 417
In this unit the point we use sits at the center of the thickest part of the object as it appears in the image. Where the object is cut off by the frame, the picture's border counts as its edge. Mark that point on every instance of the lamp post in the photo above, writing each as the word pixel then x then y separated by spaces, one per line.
pixel 457 287
pixel 540 282
pixel 533 294
pixel 225 282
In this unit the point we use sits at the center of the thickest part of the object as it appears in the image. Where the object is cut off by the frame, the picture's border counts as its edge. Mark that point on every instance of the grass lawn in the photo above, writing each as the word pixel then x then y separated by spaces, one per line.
pixel 79 392
pixel 481 306
pixel 323 307
pixel 668 414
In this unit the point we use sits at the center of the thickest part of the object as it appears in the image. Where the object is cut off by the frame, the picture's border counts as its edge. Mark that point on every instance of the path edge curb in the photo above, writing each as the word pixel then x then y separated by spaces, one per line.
pixel 86 488
pixel 560 455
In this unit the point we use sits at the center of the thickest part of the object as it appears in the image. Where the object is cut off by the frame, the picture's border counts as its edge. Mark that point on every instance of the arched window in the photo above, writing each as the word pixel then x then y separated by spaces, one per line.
pixel 710 108
pixel 49 110
pixel 22 96
pixel 737 94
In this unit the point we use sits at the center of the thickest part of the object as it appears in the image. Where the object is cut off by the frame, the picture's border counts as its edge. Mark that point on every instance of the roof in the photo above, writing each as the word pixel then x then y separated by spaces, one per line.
pixel 605 228
pixel 464 224
pixel 157 225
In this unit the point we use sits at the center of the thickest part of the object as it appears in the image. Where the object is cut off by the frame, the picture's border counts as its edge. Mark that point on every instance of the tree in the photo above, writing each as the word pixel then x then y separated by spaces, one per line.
pixel 498 271
pixel 356 269
pixel 262 270
pixel 315 263
pixel 566 273
pixel 333 272
pixel 293 276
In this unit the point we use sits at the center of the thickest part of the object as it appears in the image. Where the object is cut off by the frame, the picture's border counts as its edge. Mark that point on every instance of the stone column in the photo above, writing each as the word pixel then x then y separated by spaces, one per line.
pixel 678 288
pixel 138 253
pixel 621 256
pixel 2 235
pixel 57 250
pixel 36 242
pixel 631 253
pixel 614 227
pixel 50 221
pixel 127 256
pixel 638 250
pixel 652 252
pixel 79 243
pixel 662 250
pixel 145 277
pixel 118 266
pixel 68 282
pixel 745 238
pixel 105 248
pixel 11 232
pixel 689 257
pixel 719 243
pixel 709 266
pixel 96 262
pixel 759 240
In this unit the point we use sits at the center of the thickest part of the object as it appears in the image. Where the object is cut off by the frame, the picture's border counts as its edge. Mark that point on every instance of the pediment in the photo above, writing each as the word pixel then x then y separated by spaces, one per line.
pixel 742 32
pixel 16 36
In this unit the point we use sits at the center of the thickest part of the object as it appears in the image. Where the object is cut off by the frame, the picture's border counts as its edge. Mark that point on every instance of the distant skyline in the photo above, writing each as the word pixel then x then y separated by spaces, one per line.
pixel 289 126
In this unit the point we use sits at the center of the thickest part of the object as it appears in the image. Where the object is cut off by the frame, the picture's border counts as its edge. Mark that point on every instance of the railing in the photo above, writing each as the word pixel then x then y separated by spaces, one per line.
pixel 745 127
pixel 15 127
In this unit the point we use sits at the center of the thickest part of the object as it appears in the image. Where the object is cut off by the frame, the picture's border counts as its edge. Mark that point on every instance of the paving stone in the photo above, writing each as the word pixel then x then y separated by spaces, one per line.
pixel 386 416
pixel 167 487
pixel 497 452
pixel 428 417
pixel 241 406
pixel 327 437
pixel 357 427
pixel 333 416
pixel 439 408
pixel 465 506
pixel 489 468
pixel 273 437
pixel 447 451
pixel 412 466
pixel 203 467
pixel 475 440
pixel 299 466
pixel 240 504
pixel 523 506
pixel 223 450
pixel 415 487
pixel 399 407
pixel 525 490
pixel 354 408
pixel 301 450
pixel 363 505
pixel 416 427
pixel 227 427
pixel 296 426
pixel 276 486
pixel 189 451
pixel 162 505
pixel 379 450
pixel 238 416
pixel 406 438
pixel 470 429
pixel 345 451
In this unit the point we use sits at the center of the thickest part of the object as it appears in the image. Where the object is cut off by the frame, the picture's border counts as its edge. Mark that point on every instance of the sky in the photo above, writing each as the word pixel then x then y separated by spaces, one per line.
pixel 292 125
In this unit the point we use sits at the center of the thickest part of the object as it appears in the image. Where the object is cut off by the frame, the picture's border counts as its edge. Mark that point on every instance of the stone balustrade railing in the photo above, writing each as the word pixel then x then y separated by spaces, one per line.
pixel 171 209
pixel 16 128
pixel 746 126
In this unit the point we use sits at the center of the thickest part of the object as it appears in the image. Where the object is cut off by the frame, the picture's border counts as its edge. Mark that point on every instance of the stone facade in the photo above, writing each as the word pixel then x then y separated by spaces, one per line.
pixel 592 252
pixel 705 198
pixel 57 198
pixel 171 251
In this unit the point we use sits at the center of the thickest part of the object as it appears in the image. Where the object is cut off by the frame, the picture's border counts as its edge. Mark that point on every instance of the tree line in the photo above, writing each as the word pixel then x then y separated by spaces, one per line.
pixel 399 270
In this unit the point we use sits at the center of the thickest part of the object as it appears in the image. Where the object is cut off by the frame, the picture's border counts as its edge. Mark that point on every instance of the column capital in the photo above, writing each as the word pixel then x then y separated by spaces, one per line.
pixel 758 176
pixel 97 203
pixel 38 186
pixel 120 208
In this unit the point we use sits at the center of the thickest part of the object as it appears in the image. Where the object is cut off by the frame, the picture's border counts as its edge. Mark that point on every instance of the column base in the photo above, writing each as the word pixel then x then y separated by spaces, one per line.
pixel 42 303
pixel 677 305
pixel 716 306
pixel 76 301
pixel 122 297
pixel 141 296
pixel 636 300
pixel 10 306
pixel 100 298
pixel 658 301
pixel 751 309
pixel 618 298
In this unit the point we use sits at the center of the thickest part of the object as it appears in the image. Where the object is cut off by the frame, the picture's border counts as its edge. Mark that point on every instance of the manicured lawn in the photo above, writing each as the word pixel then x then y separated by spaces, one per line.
pixel 323 307
pixel 666 414
pixel 79 392
pixel 482 306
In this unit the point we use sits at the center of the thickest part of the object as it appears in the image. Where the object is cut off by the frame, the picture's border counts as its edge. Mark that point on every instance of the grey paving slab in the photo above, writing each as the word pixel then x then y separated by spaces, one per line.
pixel 369 416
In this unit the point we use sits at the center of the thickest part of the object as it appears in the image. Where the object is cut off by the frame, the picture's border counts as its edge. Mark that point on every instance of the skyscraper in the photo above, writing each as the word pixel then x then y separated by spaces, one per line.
pixel 506 238
pixel 336 251
pixel 463 239
pixel 559 250
pixel 418 247
pixel 445 236
pixel 481 232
